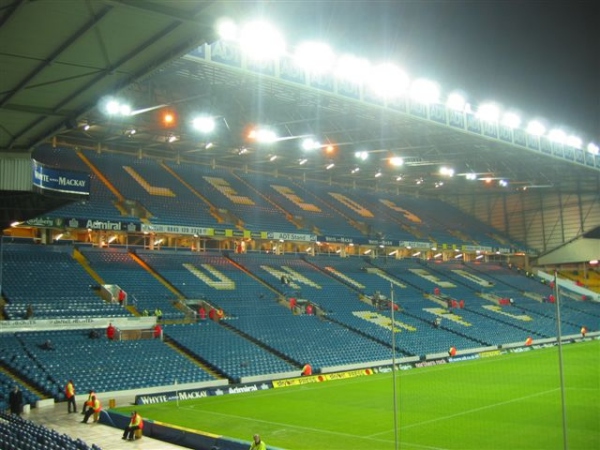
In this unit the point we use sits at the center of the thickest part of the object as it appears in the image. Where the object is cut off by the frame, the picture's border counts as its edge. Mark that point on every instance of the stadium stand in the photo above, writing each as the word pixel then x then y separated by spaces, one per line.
pixel 48 279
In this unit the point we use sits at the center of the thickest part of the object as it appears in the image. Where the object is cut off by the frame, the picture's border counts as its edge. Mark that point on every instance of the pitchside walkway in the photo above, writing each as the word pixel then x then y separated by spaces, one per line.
pixel 107 438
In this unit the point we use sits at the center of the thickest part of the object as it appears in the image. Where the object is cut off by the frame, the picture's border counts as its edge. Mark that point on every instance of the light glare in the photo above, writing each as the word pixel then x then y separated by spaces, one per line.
pixel 536 128
pixel 387 80
pixel 425 91
pixel 314 57
pixel 261 41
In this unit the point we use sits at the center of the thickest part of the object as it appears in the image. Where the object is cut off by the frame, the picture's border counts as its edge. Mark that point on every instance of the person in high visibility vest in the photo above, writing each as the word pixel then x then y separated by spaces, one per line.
pixel 528 341
pixel 452 351
pixel 306 370
pixel 95 409
pixel 257 443
pixel 88 402
pixel 135 423
pixel 583 331
pixel 70 395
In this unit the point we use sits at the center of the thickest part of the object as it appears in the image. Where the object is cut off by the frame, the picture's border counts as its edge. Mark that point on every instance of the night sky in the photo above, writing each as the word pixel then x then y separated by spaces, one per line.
pixel 538 57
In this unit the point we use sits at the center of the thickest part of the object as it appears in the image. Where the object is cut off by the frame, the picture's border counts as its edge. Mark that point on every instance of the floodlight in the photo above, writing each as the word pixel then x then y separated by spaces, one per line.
pixel 273 158
pixel 362 155
pixel 558 136
pixel 425 91
pixel 511 120
pixel 330 166
pixel 112 107
pixel 396 161
pixel 489 112
pixel 574 141
pixel 456 102
pixel 261 41
pixel 387 80
pixel 124 110
pixel 378 174
pixel 86 127
pixel 471 176
pixel 356 169
pixel 352 68
pixel 503 183
pixel 446 171
pixel 310 144
pixel 593 148
pixel 204 124
pixel 399 178
pixel 172 138
pixel 303 161
pixel 536 128
pixel 263 135
pixel 314 57
pixel 227 29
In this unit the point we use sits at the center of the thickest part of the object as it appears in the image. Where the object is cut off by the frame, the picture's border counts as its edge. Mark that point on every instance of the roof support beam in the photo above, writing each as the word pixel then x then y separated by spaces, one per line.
pixel 12 9
pixel 55 54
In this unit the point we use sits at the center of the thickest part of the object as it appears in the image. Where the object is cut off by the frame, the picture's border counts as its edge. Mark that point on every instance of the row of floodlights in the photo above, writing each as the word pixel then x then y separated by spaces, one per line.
pixel 261 41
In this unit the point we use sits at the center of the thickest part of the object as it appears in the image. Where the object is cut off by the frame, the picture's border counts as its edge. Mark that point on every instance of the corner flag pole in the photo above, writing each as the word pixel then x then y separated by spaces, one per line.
pixel 560 362
pixel 394 366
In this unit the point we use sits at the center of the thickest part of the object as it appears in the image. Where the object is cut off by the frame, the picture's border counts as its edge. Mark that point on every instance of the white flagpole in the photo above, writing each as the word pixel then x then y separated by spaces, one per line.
pixel 394 365
pixel 560 362
pixel 176 393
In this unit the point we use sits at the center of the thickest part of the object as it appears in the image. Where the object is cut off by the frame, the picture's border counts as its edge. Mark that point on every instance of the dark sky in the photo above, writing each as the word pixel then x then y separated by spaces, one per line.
pixel 540 57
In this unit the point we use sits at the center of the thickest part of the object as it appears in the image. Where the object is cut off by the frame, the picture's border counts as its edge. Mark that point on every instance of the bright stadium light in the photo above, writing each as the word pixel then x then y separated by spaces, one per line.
pixel 489 112
pixel 425 91
pixel 558 136
pixel 113 107
pixel 314 57
pixel 362 155
pixel 263 135
pixel 396 161
pixel 456 102
pixel 593 149
pixel 511 120
pixel 471 176
pixel 310 144
pixel 227 29
pixel 330 166
pixel 261 41
pixel 536 128
pixel 204 124
pixel 388 80
pixel 446 171
pixel 378 174
pixel 352 68
pixel 574 141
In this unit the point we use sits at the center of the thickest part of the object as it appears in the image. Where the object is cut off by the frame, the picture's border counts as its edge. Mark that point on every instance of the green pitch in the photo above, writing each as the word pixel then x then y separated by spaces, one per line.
pixel 505 402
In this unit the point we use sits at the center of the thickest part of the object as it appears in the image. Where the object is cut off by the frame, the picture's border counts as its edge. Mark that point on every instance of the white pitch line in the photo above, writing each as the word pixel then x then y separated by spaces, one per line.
pixel 469 411
pixel 316 430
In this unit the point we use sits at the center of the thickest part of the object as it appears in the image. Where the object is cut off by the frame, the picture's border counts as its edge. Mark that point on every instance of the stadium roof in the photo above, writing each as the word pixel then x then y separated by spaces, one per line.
pixel 54 78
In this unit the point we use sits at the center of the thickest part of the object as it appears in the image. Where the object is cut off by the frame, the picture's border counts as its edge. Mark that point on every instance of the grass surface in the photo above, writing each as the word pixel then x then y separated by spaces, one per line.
pixel 511 401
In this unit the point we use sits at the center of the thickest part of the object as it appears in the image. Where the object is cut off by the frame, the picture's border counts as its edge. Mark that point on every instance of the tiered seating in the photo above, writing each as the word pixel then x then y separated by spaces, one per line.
pixel 17 433
pixel 227 351
pixel 105 365
pixel 214 278
pixel 308 208
pixel 52 282
pixel 116 266
pixel 165 197
pixel 14 356
pixel 99 206
pixel 228 192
